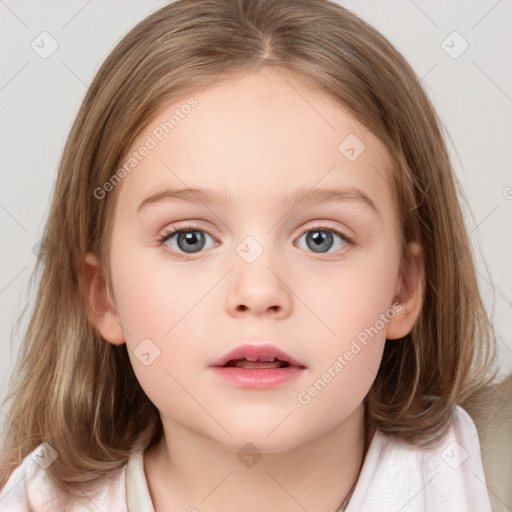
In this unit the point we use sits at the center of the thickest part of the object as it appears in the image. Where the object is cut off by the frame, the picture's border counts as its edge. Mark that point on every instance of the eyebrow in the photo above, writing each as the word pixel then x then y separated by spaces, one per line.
pixel 301 196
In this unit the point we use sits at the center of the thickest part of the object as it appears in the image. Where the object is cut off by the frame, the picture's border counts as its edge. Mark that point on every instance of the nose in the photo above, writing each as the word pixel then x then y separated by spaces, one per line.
pixel 259 288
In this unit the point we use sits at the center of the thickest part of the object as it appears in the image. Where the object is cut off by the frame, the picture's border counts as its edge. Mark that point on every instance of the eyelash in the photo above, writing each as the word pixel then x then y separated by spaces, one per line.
pixel 193 227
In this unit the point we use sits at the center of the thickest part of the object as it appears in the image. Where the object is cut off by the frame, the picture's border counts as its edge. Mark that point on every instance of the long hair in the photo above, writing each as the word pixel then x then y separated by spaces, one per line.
pixel 77 392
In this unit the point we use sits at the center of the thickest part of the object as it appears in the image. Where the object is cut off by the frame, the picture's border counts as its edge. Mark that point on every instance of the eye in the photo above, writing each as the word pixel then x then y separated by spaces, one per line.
pixel 187 239
pixel 321 239
pixel 191 239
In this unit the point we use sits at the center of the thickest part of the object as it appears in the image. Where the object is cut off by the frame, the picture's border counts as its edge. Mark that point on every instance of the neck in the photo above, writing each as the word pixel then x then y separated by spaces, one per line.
pixel 189 472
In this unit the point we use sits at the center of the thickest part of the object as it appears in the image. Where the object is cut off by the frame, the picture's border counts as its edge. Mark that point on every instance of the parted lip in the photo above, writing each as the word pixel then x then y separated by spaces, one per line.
pixel 250 351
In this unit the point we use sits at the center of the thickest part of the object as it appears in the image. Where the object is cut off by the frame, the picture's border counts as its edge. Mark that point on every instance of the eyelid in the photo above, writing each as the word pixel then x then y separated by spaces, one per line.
pixel 187 226
pixel 329 225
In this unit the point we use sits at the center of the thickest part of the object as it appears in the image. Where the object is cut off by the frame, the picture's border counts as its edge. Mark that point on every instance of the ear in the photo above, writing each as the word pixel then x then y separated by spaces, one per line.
pixel 100 308
pixel 408 293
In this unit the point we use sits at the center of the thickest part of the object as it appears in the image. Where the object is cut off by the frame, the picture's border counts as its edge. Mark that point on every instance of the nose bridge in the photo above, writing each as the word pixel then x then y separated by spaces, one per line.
pixel 256 282
pixel 250 249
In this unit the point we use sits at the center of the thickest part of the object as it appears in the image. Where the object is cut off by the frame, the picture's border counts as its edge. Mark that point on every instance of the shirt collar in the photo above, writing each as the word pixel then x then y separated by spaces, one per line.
pixel 137 492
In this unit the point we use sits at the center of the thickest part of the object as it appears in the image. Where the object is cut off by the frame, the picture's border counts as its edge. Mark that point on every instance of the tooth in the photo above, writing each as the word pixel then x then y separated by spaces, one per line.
pixel 263 359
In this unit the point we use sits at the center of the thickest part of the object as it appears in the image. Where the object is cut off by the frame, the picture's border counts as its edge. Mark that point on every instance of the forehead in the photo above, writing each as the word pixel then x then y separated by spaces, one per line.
pixel 261 131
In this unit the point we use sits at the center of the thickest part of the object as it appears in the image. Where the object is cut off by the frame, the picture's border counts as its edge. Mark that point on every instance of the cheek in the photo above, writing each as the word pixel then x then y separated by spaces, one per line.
pixel 163 308
pixel 357 307
pixel 155 295
pixel 354 298
pixel 355 311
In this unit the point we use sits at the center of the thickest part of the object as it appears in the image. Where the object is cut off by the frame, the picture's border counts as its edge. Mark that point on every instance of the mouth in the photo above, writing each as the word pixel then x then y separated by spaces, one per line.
pixel 257 367
pixel 256 363
pixel 257 356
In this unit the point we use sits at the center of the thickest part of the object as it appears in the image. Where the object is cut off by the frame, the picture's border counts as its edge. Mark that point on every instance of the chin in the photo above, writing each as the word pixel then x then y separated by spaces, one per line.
pixel 272 444
pixel 268 434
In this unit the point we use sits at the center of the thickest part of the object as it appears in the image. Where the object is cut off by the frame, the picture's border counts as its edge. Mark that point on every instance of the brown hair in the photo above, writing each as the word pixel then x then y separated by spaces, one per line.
pixel 79 393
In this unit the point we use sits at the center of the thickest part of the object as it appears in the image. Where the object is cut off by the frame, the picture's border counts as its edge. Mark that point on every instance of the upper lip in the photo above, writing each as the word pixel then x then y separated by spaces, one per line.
pixel 257 352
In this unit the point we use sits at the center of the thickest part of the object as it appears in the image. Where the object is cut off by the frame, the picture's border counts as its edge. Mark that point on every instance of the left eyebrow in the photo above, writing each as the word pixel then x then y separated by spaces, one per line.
pixel 301 196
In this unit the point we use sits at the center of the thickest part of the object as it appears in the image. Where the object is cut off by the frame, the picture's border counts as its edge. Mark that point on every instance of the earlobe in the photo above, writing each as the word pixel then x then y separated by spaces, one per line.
pixel 100 310
pixel 409 293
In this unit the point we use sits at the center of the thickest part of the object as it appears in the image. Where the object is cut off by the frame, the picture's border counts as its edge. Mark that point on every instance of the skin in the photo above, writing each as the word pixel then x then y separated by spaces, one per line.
pixel 257 138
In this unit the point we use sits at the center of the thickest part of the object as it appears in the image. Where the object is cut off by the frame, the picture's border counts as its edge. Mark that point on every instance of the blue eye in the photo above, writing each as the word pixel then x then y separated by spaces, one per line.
pixel 191 239
pixel 321 240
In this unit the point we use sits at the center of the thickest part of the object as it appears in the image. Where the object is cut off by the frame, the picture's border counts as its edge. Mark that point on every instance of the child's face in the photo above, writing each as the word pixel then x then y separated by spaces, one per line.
pixel 257 140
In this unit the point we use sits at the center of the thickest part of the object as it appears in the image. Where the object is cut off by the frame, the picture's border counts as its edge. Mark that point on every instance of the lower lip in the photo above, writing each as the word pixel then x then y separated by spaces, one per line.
pixel 257 378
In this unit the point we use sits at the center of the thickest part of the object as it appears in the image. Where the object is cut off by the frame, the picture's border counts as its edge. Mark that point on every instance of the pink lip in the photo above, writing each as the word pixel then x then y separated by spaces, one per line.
pixel 257 352
pixel 257 378
pixel 261 378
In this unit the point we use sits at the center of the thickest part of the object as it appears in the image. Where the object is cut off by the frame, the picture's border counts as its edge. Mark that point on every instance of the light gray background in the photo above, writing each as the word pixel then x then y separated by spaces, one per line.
pixel 40 97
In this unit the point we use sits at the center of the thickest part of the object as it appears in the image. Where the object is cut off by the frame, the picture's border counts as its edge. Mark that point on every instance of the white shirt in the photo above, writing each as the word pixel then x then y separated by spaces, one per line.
pixel 396 476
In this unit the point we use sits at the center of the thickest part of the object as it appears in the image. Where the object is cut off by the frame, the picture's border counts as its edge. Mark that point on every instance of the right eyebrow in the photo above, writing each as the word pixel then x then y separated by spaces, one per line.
pixel 197 195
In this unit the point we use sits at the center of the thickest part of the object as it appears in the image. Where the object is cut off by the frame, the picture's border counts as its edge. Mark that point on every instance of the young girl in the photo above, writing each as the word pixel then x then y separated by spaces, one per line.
pixel 318 348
